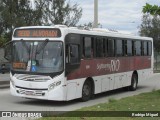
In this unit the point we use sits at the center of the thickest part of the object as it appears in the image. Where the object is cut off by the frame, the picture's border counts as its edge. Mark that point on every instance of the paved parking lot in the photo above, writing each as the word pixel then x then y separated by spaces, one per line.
pixel 4 77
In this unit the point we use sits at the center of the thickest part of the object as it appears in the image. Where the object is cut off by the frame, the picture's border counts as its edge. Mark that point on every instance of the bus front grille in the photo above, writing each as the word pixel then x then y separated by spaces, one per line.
pixel 35 78
pixel 31 92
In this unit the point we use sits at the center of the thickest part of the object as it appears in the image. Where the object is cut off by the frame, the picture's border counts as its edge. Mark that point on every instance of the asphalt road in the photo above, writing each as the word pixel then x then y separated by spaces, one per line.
pixel 11 103
pixel 4 81
pixel 4 77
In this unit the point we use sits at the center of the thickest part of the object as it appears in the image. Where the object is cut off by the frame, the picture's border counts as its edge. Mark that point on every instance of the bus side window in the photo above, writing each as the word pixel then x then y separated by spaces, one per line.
pixel 145 48
pixel 133 48
pixel 110 48
pixel 100 47
pixel 67 54
pixel 119 48
pixel 129 48
pixel 149 48
pixel 74 54
pixel 124 46
pixel 142 48
pixel 138 48
pixel 106 47
pixel 87 51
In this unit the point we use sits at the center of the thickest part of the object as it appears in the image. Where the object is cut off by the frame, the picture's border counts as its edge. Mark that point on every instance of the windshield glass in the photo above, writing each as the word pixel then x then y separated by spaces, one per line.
pixel 40 57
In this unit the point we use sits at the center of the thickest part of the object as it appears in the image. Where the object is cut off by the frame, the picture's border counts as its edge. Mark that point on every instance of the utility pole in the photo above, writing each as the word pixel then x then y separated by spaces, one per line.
pixel 95 24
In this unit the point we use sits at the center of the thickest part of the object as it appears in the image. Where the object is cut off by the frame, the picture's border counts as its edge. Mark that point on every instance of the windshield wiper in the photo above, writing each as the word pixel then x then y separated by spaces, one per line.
pixel 42 46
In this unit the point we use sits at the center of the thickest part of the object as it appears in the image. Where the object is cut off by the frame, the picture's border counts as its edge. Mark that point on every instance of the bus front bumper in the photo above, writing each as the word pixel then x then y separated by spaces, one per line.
pixel 57 94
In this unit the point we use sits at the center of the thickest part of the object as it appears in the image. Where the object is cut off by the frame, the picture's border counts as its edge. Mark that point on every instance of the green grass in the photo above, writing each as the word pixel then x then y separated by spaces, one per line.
pixel 146 101
pixel 143 102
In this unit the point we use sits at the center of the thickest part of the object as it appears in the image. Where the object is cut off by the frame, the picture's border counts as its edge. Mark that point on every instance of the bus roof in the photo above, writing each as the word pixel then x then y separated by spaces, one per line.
pixel 92 31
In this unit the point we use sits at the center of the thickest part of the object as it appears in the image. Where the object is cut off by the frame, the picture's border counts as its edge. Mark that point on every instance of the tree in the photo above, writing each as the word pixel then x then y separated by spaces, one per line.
pixel 61 12
pixel 150 27
pixel 151 9
pixel 16 13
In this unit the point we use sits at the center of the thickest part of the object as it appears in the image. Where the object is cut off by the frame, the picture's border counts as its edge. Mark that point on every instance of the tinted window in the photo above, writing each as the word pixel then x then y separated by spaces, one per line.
pixel 110 48
pixel 125 47
pixel 129 48
pixel 149 48
pixel 87 47
pixel 74 54
pixel 133 48
pixel 100 47
pixel 145 48
pixel 119 48
pixel 138 48
pixel 106 47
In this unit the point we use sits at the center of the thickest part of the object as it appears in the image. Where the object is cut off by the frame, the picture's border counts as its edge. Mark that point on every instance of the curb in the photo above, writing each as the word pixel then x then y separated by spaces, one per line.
pixel 4 84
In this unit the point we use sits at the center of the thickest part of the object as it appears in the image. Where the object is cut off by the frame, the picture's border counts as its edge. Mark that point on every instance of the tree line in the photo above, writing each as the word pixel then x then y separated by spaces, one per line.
pixel 16 13
pixel 150 25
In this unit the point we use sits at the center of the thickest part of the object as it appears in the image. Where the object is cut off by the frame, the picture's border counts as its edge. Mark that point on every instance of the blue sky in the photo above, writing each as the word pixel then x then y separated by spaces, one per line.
pixel 122 15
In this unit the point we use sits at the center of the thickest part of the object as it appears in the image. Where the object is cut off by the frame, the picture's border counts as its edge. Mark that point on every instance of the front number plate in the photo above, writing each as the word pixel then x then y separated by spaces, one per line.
pixel 29 93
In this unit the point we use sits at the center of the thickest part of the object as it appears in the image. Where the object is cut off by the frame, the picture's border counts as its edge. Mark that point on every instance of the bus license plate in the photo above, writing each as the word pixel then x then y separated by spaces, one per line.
pixel 29 93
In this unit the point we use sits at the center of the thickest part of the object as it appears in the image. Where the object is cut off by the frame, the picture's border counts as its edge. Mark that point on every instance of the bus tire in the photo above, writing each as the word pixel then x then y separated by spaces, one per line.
pixel 134 82
pixel 86 91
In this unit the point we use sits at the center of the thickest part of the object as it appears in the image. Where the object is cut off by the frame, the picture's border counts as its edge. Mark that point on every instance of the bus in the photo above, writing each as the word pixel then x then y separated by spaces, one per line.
pixel 63 63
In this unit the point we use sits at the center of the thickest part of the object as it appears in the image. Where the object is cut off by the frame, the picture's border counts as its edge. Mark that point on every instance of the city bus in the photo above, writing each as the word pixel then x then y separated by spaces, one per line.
pixel 63 63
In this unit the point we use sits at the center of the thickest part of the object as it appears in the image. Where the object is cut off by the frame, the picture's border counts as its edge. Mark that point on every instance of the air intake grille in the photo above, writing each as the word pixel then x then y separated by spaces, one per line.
pixel 31 92
pixel 35 78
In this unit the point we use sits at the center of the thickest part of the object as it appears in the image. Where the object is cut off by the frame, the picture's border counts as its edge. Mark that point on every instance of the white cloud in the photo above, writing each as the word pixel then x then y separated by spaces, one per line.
pixel 116 14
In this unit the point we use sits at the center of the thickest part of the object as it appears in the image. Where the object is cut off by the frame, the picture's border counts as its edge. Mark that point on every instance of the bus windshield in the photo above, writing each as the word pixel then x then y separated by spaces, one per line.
pixel 40 56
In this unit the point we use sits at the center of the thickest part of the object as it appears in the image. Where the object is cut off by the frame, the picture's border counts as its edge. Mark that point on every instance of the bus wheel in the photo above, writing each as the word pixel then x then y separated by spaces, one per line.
pixel 86 91
pixel 134 82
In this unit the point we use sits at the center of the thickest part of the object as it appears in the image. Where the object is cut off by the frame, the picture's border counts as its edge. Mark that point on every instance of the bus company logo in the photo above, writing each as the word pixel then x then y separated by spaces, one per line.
pixel 115 65
pixel 112 67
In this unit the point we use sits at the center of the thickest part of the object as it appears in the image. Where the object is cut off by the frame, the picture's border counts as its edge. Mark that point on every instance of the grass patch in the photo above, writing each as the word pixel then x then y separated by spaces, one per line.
pixel 142 102
pixel 153 90
pixel 111 100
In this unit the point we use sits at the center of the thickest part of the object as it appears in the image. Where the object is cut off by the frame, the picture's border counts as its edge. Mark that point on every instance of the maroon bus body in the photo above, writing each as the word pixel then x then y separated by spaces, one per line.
pixel 104 66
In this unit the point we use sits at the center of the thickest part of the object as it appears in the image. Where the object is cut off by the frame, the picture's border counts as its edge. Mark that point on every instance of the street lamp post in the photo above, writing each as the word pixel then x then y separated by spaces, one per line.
pixel 95 25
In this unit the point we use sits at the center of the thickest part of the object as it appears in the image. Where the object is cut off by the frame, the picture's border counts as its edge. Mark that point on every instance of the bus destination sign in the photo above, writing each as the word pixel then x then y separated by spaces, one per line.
pixel 37 32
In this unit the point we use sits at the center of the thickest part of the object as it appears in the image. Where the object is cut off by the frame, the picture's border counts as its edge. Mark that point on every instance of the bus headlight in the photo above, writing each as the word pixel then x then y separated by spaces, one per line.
pixel 53 85
pixel 58 83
